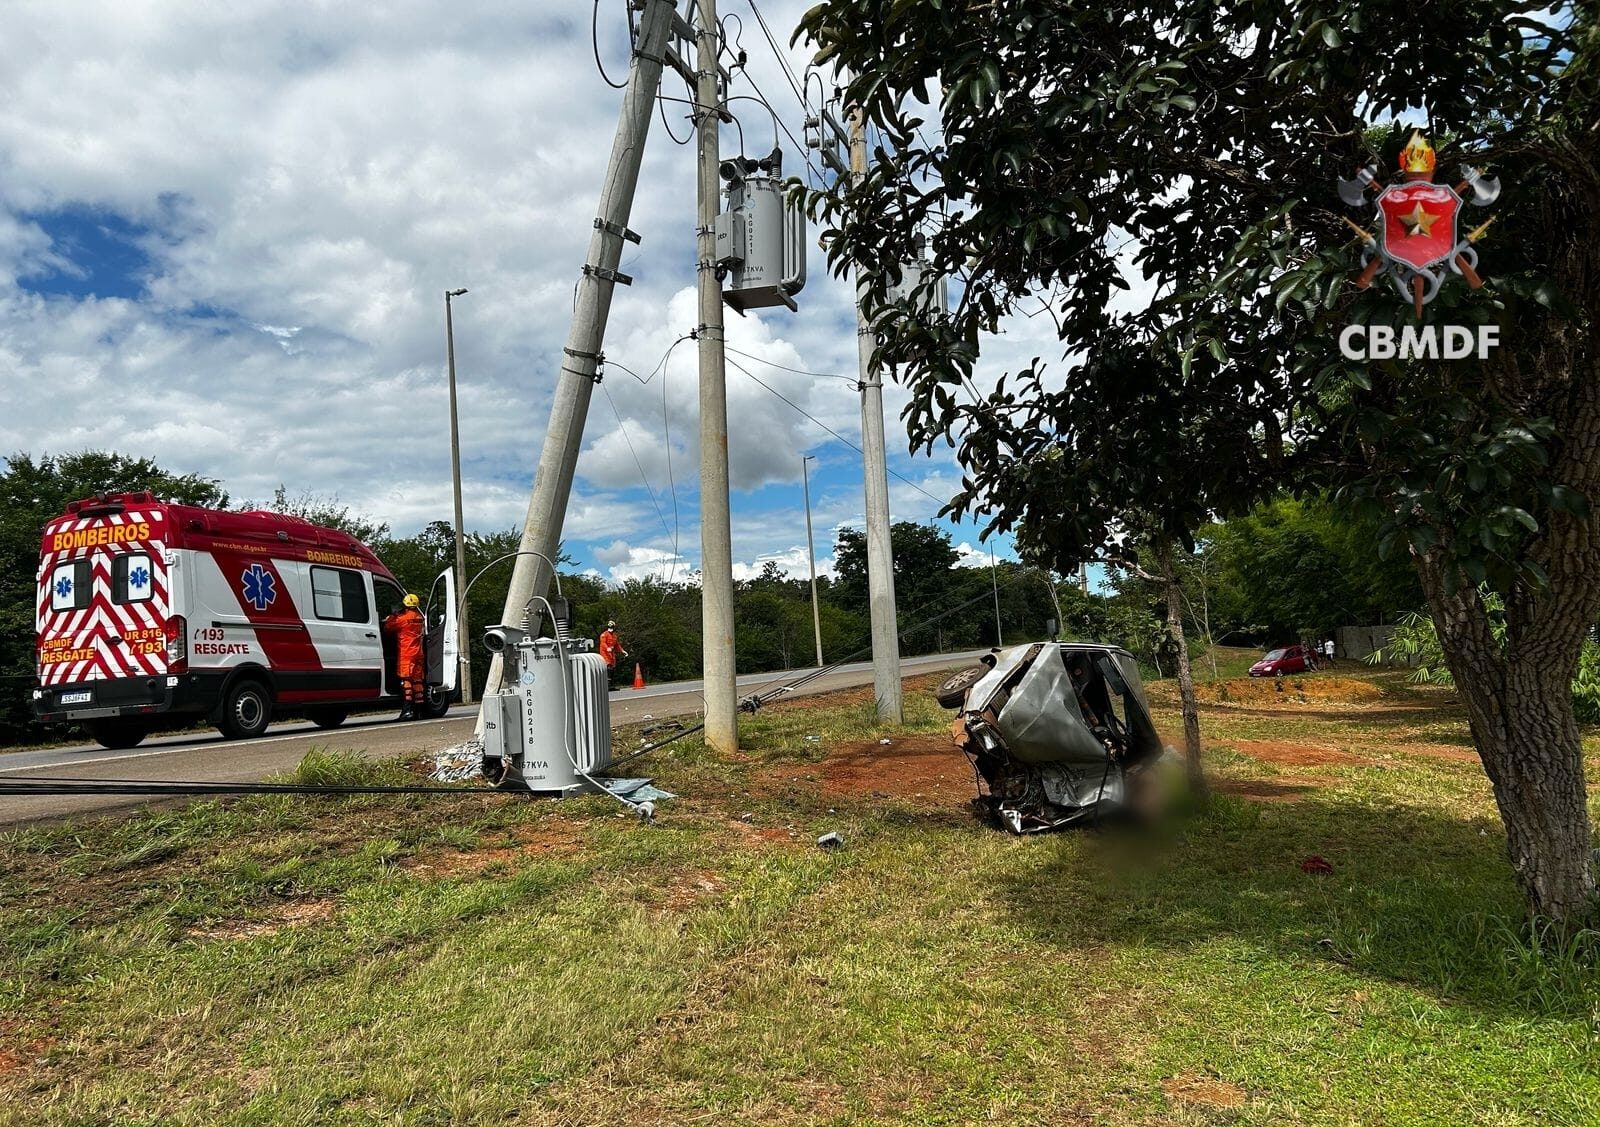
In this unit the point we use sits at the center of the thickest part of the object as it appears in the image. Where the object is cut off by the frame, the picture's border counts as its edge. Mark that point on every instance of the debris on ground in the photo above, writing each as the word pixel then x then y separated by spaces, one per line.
pixel 459 764
pixel 830 840
pixel 464 763
pixel 634 790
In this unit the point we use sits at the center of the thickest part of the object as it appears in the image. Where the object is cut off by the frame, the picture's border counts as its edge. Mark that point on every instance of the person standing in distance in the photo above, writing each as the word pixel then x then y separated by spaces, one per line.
pixel 610 650
pixel 406 626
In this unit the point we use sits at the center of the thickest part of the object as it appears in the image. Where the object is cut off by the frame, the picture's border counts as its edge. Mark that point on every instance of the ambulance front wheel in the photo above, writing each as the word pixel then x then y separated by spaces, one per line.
pixel 246 711
pixel 435 703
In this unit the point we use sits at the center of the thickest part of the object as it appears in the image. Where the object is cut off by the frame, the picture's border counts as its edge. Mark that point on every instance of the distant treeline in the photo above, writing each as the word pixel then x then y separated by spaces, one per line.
pixel 1292 569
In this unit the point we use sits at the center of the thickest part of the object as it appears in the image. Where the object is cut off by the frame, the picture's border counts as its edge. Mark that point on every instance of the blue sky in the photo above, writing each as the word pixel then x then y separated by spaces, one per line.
pixel 225 233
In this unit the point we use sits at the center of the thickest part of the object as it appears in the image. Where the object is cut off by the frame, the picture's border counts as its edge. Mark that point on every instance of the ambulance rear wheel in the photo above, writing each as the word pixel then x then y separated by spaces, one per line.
pixel 246 711
pixel 435 703
pixel 117 734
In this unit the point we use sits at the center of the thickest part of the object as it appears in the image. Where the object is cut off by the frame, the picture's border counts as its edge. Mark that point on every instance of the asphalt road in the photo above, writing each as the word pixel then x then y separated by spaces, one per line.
pixel 207 757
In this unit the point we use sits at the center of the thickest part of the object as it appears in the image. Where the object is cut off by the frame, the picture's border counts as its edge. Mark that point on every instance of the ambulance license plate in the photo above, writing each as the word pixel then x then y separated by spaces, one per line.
pixel 82 696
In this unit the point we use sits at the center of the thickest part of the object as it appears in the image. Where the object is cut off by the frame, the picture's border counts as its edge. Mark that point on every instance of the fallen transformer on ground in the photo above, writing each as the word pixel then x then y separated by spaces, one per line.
pixel 1058 732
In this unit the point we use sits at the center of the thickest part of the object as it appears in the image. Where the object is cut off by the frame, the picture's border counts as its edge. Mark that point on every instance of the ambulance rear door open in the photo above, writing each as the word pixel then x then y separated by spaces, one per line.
pixel 442 637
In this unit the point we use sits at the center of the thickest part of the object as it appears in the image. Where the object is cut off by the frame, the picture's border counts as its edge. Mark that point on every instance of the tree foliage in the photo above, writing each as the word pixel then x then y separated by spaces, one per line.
pixel 1298 568
pixel 1197 143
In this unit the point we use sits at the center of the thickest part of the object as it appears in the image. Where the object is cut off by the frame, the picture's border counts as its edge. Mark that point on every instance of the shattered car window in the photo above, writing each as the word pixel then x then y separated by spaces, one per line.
pixel 1057 732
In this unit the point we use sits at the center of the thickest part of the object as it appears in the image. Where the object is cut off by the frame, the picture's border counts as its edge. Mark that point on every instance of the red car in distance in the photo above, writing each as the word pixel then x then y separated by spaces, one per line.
pixel 1289 659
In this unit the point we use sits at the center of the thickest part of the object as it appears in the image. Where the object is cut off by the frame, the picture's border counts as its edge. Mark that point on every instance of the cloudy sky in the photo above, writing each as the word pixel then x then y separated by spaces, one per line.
pixel 225 233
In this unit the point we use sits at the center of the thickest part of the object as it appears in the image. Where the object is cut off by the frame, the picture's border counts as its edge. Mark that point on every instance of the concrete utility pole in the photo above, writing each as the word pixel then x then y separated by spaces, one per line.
pixel 811 555
pixel 880 554
pixel 463 636
pixel 716 532
pixel 552 485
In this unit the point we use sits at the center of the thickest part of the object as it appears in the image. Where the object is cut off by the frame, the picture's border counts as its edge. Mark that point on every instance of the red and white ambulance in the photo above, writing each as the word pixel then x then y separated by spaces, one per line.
pixel 149 613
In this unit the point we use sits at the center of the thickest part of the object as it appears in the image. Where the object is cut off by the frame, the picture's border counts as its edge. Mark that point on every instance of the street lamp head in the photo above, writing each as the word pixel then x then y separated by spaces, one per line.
pixel 454 293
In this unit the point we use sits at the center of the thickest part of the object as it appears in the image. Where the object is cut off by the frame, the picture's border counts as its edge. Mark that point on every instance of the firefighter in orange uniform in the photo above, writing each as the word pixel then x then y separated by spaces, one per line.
pixel 611 649
pixel 406 626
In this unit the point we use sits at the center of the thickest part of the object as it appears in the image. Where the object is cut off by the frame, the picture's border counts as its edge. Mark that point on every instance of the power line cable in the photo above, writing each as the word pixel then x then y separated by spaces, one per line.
pixel 661 108
pixel 939 501
pixel 852 380
pixel 594 43
pixel 799 145
pixel 660 364
pixel 783 60
pixel 623 427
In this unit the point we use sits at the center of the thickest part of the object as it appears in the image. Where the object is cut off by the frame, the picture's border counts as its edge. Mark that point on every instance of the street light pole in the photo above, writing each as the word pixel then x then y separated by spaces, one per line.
pixel 994 577
pixel 463 652
pixel 811 555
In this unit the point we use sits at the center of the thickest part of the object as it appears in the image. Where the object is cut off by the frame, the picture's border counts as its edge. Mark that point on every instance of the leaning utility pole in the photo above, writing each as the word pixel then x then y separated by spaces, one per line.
pixel 716 532
pixel 580 359
pixel 880 554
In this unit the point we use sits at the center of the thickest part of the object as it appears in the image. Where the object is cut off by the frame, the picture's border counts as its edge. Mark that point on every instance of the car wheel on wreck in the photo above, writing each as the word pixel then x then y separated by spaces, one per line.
pixel 953 692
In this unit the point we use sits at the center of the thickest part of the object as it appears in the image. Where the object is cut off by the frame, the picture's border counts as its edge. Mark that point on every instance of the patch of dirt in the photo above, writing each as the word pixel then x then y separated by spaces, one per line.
pixel 1263 790
pixel 1206 1091
pixel 1298 755
pixel 926 766
pixel 1314 688
pixel 1452 752
pixel 294 913
pixel 764 835
pixel 689 889
pixel 548 836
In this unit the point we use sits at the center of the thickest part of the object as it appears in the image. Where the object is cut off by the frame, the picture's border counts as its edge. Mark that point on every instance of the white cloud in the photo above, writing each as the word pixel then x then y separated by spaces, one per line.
pixel 305 183
pixel 972 557
pixel 791 564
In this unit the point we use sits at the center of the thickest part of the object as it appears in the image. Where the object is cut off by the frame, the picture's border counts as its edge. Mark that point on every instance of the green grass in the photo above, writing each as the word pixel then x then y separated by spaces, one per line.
pixel 488 959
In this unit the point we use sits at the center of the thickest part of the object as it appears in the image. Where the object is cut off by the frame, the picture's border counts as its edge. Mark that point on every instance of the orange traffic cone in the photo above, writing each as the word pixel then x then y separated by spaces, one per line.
pixel 638 676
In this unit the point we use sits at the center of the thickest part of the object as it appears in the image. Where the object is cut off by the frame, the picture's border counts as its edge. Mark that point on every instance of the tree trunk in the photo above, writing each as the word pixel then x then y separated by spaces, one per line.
pixel 1519 707
pixel 1191 712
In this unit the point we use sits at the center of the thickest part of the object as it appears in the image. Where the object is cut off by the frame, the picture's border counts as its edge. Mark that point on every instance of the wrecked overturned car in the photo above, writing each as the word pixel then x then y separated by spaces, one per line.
pixel 1057 732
